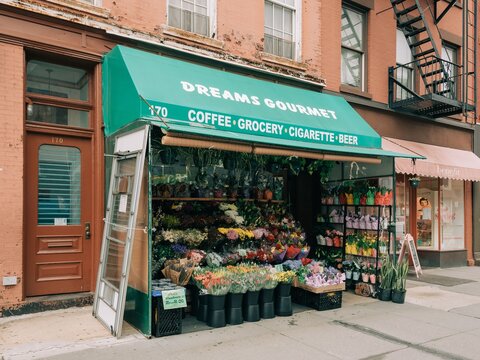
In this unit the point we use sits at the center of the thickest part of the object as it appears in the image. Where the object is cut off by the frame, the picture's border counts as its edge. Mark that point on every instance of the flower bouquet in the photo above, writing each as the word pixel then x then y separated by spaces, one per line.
pixel 303 252
pixel 238 279
pixel 270 278
pixel 179 270
pixel 285 277
pixel 292 252
pixel 255 278
pixel 278 252
pixel 216 282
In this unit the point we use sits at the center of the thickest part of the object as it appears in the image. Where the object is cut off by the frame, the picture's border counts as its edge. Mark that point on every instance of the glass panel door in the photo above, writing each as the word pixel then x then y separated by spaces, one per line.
pixel 427 214
pixel 119 232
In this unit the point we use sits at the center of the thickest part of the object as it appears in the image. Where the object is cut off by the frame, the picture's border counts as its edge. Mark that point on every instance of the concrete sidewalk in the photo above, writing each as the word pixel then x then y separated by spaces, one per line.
pixel 437 322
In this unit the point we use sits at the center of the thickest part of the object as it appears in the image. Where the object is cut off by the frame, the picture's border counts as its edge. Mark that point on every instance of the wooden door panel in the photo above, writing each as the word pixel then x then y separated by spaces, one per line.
pixel 59 205
pixel 59 244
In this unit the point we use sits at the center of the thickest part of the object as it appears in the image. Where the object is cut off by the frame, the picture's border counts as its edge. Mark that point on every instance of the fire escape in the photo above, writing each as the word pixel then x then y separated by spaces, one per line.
pixel 430 85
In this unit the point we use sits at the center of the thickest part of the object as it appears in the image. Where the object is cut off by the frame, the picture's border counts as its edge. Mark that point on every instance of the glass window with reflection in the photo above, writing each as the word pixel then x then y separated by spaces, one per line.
pixel 58 92
pixel 452 215
pixel 191 15
pixel 353 47
pixel 280 22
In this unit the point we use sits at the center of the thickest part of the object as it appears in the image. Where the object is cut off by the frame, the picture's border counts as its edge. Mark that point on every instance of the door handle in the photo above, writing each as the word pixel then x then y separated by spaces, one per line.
pixel 87 231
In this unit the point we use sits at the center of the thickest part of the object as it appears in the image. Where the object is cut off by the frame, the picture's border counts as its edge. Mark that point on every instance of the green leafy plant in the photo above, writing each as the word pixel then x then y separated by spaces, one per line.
pixel 401 272
pixel 387 271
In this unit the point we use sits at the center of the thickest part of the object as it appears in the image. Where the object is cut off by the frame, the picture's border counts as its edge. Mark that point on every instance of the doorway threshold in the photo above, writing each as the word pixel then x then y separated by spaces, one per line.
pixel 37 304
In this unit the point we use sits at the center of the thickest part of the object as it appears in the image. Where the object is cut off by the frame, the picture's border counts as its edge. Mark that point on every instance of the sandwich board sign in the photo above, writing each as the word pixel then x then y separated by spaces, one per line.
pixel 412 250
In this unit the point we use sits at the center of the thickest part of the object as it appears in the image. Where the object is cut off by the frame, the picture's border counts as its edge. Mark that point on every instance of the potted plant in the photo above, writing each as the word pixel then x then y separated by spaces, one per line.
pixel 355 271
pixel 347 267
pixel 372 273
pixel 372 190
pixel 365 272
pixel 414 181
pixel 387 273
pixel 400 282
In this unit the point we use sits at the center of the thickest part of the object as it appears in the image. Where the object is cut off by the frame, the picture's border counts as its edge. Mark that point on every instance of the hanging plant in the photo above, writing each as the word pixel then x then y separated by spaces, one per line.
pixel 414 181
pixel 322 167
pixel 229 160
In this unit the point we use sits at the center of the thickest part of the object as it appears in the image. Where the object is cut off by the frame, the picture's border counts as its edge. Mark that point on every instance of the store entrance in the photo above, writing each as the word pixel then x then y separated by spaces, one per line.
pixel 58 214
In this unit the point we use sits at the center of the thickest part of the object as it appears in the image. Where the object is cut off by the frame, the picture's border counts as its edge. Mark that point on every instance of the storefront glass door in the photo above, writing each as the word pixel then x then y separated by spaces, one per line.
pixel 426 202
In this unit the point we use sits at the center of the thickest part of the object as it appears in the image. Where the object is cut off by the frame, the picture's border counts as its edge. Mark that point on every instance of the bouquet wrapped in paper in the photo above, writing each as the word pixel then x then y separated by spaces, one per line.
pixel 179 270
pixel 303 252
pixel 278 252
pixel 292 252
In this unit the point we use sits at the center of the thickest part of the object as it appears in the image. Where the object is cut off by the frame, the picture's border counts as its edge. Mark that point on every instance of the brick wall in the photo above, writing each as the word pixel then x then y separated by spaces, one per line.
pixel 11 171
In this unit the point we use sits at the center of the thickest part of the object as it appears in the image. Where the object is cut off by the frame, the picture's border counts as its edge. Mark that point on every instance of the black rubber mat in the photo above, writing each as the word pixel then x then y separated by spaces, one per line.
pixel 439 280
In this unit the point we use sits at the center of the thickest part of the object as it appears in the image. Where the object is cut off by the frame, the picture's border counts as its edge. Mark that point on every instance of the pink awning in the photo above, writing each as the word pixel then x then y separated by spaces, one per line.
pixel 440 161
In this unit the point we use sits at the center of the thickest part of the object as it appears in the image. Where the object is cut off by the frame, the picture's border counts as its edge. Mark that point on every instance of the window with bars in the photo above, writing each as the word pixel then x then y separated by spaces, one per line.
pixel 405 71
pixel 191 15
pixel 280 25
pixel 353 28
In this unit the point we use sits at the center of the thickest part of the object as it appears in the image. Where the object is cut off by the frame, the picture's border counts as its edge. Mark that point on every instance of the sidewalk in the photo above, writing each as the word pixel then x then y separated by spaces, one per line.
pixel 437 322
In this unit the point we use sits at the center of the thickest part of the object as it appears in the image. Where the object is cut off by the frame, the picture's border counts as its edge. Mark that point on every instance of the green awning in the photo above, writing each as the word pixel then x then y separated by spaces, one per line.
pixel 203 101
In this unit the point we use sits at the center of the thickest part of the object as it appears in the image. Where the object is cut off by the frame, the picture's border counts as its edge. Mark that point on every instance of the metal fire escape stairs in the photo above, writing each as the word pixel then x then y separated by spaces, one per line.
pixel 436 92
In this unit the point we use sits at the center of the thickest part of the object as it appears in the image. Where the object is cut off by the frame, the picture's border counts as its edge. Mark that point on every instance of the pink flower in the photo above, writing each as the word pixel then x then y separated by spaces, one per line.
pixel 258 233
pixel 232 235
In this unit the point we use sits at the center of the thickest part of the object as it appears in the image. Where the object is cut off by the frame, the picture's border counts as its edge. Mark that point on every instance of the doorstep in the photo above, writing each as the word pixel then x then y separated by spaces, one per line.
pixel 48 302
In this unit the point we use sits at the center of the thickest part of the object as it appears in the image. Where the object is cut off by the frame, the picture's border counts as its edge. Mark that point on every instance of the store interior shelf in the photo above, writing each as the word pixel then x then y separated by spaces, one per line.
pixel 362 256
pixel 330 247
pixel 213 199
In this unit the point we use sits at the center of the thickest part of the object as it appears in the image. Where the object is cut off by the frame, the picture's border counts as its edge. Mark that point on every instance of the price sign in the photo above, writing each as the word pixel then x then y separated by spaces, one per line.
pixel 174 299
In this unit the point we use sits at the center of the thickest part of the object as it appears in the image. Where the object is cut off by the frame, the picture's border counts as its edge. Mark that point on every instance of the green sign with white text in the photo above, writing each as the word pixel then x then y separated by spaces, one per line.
pixel 139 84
pixel 174 299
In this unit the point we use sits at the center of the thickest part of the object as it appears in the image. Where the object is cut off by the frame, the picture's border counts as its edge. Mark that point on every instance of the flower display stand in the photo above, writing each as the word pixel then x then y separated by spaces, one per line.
pixel 251 309
pixel 266 303
pixel 233 309
pixel 202 307
pixel 283 300
pixel 216 311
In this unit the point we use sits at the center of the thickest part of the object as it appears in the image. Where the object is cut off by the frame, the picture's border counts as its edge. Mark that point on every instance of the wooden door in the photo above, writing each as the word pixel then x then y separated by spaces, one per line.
pixel 58 214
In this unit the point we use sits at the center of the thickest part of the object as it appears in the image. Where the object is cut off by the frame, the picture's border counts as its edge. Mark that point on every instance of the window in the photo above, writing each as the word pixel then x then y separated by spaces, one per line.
pixel 195 16
pixel 353 47
pixel 58 94
pixel 93 2
pixel 452 215
pixel 449 55
pixel 58 185
pixel 404 73
pixel 282 28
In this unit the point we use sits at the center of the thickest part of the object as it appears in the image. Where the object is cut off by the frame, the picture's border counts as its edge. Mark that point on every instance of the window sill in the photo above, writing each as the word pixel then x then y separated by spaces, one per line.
pixel 83 7
pixel 355 91
pixel 175 33
pixel 284 62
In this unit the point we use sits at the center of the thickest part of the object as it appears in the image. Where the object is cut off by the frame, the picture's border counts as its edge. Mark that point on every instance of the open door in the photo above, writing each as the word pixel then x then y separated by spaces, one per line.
pixel 119 231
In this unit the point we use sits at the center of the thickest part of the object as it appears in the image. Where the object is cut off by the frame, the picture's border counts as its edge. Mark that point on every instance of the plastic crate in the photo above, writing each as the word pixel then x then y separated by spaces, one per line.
pixel 165 322
pixel 318 301
pixel 324 301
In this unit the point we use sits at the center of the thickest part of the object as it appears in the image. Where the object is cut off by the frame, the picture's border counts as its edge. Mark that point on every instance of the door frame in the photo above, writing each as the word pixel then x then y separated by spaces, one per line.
pixel 30 222
pixel 95 133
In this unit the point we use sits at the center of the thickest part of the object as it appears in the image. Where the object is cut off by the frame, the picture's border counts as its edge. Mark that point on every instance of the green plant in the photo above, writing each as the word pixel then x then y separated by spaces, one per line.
pixel 400 280
pixel 387 271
